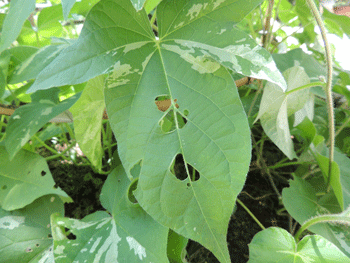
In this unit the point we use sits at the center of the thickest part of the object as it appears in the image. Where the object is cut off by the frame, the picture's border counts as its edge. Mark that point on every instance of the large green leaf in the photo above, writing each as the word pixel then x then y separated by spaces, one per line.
pixel 25 234
pixel 28 119
pixel 18 13
pixel 129 235
pixel 274 245
pixel 105 41
pixel 87 114
pixel 276 106
pixel 25 179
pixel 302 204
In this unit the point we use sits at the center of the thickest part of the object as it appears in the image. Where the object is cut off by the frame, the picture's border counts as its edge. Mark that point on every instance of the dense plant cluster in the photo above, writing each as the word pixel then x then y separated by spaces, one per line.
pixel 163 107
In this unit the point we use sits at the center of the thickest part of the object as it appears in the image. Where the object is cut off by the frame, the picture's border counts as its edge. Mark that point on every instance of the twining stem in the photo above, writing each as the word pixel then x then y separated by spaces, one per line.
pixel 328 87
pixel 251 214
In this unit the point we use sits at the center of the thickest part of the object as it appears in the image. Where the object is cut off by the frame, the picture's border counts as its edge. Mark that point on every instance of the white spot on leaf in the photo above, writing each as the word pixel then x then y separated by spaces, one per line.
pixel 136 246
pixel 194 10
pixel 11 222
pixel 217 3
pixel 16 117
pixel 59 249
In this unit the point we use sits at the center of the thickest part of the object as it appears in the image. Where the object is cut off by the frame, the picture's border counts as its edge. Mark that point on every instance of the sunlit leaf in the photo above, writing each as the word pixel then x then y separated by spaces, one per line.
pixel 66 7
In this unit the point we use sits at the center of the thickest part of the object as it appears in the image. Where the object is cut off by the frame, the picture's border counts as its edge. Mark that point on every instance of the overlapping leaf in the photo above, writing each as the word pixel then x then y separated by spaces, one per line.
pixel 25 234
pixel 129 235
pixel 24 179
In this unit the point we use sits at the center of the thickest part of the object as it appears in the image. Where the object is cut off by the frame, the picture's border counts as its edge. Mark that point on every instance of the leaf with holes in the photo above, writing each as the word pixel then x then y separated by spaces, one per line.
pixel 129 235
pixel 25 234
pixel 25 179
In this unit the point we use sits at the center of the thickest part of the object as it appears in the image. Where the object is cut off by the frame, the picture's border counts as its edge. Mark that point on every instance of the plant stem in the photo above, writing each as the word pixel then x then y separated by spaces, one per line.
pixel 329 63
pixel 251 214
pixel 310 85
pixel 288 164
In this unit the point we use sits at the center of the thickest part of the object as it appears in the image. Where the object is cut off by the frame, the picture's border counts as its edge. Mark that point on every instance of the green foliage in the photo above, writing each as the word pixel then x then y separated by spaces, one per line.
pixel 175 148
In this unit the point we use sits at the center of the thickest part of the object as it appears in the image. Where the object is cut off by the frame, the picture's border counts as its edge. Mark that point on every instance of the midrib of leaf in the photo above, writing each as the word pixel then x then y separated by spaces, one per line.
pixel 182 151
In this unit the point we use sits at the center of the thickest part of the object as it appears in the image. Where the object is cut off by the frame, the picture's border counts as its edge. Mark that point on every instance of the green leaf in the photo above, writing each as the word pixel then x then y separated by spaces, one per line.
pixel 302 204
pixel 25 234
pixel 4 65
pixel 297 57
pixel 25 179
pixel 275 245
pixel 176 247
pixel 276 106
pixel 87 114
pixel 129 234
pixel 31 67
pixel 18 13
pixel 150 5
pixel 340 22
pixel 28 119
pixel 66 7
pixel 214 40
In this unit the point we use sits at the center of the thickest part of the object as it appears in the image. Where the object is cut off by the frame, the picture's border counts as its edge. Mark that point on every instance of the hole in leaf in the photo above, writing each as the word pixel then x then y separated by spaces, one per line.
pixel 37 245
pixel 49 235
pixel 55 186
pixel 43 173
pixel 28 249
pixel 70 235
pixel 132 188
pixel 135 170
pixel 178 168
pixel 163 102
pixel 4 187
pixel 168 122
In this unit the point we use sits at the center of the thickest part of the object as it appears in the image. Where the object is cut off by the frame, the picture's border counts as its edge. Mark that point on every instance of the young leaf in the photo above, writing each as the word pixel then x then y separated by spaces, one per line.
pixel 25 179
pixel 276 106
pixel 18 13
pixel 25 234
pixel 129 235
pixel 275 245
pixel 87 115
pixel 28 119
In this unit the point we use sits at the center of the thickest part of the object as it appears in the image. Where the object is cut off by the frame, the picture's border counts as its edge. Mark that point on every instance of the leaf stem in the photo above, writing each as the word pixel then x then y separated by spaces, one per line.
pixel 329 98
pixel 310 85
pixel 251 214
